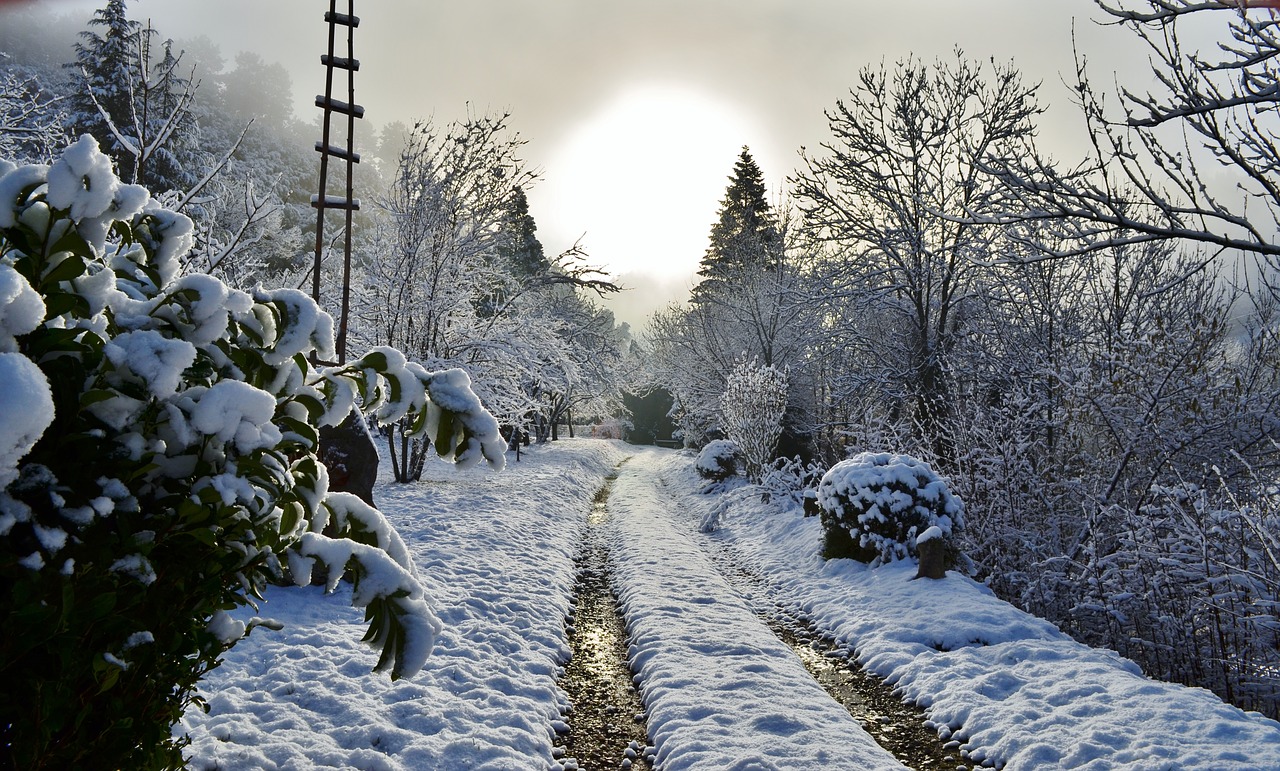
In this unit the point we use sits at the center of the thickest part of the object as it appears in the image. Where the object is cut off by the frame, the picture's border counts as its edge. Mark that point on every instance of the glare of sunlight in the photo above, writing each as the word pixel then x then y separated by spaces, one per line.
pixel 643 176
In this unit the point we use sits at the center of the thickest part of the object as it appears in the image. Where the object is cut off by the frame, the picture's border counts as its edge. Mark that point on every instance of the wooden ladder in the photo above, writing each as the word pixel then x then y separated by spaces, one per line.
pixel 323 201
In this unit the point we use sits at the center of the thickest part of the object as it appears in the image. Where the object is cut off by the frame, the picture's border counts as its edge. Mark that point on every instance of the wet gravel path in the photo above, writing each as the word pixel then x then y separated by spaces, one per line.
pixel 606 727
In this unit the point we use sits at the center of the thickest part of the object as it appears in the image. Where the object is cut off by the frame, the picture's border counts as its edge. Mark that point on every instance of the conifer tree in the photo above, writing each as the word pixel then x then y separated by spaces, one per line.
pixel 106 66
pixel 520 249
pixel 134 101
pixel 744 240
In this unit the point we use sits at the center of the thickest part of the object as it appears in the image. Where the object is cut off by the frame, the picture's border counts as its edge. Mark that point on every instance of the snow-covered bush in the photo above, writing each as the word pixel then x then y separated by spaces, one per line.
pixel 792 479
pixel 718 460
pixel 611 428
pixel 158 460
pixel 751 411
pixel 874 506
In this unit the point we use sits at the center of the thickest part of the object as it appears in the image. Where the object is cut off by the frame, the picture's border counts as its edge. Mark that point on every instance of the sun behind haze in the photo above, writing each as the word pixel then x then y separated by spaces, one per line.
pixel 635 112
pixel 645 174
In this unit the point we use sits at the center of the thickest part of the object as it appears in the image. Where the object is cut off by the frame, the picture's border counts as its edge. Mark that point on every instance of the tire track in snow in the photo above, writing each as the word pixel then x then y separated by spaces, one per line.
pixel 606 726
pixel 897 726
pixel 720 689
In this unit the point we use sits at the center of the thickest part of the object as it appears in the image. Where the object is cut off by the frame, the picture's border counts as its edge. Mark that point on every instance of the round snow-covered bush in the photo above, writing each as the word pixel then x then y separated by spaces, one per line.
pixel 158 439
pixel 875 506
pixel 718 460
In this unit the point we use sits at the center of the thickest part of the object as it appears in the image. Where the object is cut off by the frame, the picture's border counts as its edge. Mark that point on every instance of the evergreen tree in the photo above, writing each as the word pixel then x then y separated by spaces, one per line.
pixel 145 98
pixel 520 250
pixel 744 240
pixel 106 66
pixel 173 166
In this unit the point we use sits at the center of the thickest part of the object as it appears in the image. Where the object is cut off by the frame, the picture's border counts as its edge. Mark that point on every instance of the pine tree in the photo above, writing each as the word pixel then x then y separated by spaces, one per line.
pixel 744 240
pixel 146 99
pixel 106 66
pixel 520 249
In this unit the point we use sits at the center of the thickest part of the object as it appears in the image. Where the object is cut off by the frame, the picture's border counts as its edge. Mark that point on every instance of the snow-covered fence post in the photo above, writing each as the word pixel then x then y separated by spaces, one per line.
pixel 158 465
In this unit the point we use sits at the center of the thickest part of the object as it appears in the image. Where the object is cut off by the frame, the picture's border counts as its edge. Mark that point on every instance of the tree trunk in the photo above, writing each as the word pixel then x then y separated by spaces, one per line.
pixel 391 450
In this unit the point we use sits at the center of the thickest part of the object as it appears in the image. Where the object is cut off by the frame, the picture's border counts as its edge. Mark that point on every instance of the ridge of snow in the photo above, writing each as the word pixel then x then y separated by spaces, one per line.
pixel 720 689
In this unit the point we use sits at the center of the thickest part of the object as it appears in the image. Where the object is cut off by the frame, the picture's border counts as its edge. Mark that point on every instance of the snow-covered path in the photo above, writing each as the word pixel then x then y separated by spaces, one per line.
pixel 720 689
pixel 1010 688
pixel 496 554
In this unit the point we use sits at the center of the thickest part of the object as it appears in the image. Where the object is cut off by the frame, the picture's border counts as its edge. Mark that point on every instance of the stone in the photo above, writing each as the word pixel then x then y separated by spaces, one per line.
pixel 933 558
pixel 347 450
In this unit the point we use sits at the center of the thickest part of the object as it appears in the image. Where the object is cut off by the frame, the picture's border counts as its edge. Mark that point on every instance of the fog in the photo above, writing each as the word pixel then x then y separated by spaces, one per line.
pixel 773 65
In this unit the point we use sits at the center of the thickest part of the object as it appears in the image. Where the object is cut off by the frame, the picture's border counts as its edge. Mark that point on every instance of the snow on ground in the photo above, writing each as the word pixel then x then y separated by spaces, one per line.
pixel 495 554
pixel 1011 687
pixel 720 689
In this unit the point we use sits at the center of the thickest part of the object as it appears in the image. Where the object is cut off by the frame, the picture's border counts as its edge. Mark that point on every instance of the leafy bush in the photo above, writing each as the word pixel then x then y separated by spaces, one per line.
pixel 874 506
pixel 158 461
pixel 718 460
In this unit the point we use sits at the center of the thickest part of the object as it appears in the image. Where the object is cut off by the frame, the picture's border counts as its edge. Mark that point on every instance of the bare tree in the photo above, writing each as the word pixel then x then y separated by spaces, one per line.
pixel 892 196
pixel 1197 158
pixel 752 408
pixel 31 119
pixel 441 281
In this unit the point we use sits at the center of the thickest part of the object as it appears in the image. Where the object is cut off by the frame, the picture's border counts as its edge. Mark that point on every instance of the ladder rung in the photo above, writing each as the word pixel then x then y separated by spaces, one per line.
pixel 340 62
pixel 342 107
pixel 335 202
pixel 337 152
pixel 341 18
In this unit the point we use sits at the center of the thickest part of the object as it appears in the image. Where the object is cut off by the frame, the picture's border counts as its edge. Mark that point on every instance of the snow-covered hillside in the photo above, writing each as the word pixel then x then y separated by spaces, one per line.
pixel 720 691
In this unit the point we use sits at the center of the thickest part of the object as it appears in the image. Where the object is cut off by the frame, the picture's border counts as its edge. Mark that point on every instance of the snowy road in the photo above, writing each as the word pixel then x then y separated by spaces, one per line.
pixel 496 554
pixel 721 690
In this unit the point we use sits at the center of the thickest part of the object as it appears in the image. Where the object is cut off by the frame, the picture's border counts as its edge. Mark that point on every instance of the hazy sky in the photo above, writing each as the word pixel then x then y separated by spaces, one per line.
pixel 636 111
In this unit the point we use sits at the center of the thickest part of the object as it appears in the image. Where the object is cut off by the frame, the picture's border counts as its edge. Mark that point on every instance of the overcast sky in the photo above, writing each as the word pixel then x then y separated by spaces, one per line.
pixel 636 111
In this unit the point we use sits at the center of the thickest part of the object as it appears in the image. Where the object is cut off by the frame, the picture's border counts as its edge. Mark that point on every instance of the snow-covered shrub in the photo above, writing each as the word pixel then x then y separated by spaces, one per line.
pixel 718 460
pixel 1189 583
pixel 158 460
pixel 751 411
pixel 794 480
pixel 875 505
pixel 611 428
